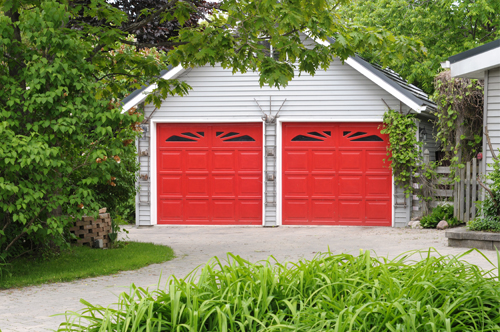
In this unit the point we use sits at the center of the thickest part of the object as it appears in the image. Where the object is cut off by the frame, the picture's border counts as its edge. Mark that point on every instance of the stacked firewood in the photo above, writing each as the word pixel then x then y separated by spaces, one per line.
pixel 93 232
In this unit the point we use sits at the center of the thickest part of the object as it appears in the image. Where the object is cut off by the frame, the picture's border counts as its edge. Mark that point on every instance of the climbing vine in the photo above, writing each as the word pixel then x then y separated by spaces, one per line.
pixel 459 115
pixel 404 149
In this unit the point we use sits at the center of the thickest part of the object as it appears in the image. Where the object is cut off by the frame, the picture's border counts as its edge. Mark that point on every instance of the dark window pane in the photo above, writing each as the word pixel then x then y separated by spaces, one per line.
pixel 230 134
pixel 244 138
pixel 329 133
pixel 346 132
pixel 359 133
pixel 190 135
pixel 175 138
pixel 302 138
pixel 218 133
pixel 371 138
pixel 315 133
pixel 201 133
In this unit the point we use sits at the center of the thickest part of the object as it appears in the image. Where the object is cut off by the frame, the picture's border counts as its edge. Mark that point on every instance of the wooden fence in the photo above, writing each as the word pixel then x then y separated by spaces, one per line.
pixel 443 190
pixel 467 191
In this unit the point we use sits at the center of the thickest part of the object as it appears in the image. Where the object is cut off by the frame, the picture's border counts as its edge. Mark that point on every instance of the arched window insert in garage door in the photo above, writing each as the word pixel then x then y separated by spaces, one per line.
pixel 335 174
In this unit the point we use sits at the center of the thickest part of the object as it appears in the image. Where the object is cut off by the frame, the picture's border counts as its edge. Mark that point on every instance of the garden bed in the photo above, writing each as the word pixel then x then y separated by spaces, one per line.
pixel 463 238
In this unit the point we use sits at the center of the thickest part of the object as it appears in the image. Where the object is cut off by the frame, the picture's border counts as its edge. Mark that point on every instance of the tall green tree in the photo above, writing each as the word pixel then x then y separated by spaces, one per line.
pixel 64 68
pixel 446 27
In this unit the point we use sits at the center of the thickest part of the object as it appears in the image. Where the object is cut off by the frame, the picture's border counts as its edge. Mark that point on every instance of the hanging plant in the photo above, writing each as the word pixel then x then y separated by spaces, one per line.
pixel 404 150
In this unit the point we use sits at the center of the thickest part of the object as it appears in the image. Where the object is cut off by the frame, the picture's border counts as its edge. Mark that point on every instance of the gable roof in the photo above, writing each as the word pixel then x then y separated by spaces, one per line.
pixel 387 79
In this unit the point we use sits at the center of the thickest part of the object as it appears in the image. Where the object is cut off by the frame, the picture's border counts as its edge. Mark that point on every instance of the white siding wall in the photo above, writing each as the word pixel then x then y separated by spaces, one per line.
pixel 492 95
pixel 338 94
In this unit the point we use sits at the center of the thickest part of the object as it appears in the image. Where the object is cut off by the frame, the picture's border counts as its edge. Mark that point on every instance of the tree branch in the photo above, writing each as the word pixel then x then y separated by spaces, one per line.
pixel 24 231
pixel 141 45
pixel 489 142
pixel 488 190
pixel 134 26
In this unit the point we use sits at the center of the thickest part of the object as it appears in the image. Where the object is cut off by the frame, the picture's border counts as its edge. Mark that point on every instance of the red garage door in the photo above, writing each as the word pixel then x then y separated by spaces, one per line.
pixel 210 174
pixel 335 174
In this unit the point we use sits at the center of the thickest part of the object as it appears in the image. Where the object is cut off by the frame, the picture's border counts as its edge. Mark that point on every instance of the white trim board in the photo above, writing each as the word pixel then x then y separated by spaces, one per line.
pixel 142 96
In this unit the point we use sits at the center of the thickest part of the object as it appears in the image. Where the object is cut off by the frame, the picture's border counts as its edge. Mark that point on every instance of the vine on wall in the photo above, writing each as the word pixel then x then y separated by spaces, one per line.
pixel 459 121
pixel 404 149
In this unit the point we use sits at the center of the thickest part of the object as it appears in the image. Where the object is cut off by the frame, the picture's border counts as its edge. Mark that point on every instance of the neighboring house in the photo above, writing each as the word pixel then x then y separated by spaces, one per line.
pixel 212 158
pixel 483 63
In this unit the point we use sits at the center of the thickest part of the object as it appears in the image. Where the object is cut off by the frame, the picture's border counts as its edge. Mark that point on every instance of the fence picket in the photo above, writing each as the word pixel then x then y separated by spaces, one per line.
pixel 467 194
pixel 461 194
pixel 474 187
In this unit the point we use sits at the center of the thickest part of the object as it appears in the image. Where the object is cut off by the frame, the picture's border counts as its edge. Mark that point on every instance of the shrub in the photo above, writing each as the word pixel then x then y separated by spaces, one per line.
pixel 442 212
pixel 329 293
pixel 487 224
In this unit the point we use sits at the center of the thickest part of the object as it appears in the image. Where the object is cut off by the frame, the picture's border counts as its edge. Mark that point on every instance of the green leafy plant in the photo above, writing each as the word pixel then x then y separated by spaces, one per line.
pixel 445 27
pixel 442 212
pixel 403 151
pixel 64 67
pixel 459 122
pixel 417 291
pixel 485 224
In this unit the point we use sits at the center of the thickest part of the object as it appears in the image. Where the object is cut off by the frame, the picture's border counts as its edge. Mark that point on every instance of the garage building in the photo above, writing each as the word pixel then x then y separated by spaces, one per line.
pixel 233 153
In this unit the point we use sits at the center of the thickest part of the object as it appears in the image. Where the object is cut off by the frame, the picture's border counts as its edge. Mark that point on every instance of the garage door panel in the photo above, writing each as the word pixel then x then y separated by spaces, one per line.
pixel 223 161
pixel 351 210
pixel 376 211
pixel 296 210
pixel 197 186
pixel 250 186
pixel 224 210
pixel 323 160
pixel 376 161
pixel 250 211
pixel 223 186
pixel 324 210
pixel 324 186
pixel 209 173
pixel 170 185
pixel 350 185
pixel 170 161
pixel 250 160
pixel 171 210
pixel 331 170
pixel 378 185
pixel 350 161
pixel 295 161
pixel 296 185
pixel 196 161
pixel 197 210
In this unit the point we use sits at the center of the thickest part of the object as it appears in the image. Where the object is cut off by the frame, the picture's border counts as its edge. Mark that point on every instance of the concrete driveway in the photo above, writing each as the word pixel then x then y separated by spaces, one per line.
pixel 30 308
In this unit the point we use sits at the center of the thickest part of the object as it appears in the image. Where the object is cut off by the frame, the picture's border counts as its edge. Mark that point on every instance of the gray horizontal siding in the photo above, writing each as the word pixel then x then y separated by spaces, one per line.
pixel 430 142
pixel 143 213
pixel 493 111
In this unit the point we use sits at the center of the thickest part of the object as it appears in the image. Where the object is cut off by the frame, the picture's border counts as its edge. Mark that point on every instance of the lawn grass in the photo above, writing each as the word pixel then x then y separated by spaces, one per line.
pixel 83 262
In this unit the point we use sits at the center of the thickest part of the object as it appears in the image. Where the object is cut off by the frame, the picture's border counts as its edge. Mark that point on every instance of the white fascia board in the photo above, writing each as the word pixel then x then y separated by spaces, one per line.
pixel 142 96
pixel 377 80
pixel 475 66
